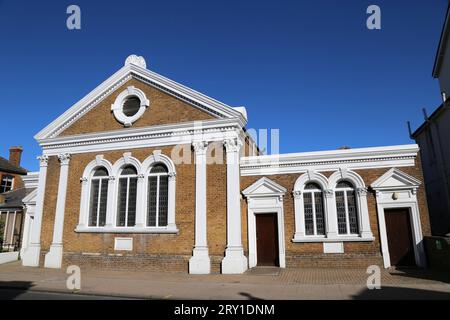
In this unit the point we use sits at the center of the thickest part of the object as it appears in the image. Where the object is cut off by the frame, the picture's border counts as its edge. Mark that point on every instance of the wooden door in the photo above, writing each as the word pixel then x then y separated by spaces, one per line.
pixel 267 239
pixel 399 235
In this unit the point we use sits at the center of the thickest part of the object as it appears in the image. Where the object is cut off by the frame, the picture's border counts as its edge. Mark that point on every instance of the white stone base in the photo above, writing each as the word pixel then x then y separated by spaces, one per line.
pixel 200 262
pixel 6 257
pixel 234 262
pixel 53 259
pixel 31 256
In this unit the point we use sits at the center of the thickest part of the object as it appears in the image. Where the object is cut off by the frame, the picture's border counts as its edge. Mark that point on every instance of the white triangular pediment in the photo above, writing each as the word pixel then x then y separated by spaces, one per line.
pixel 138 71
pixel 264 186
pixel 395 179
pixel 30 198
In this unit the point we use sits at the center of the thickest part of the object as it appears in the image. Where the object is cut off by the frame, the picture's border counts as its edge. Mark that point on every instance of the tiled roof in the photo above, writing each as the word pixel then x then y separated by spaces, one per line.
pixel 6 166
pixel 13 199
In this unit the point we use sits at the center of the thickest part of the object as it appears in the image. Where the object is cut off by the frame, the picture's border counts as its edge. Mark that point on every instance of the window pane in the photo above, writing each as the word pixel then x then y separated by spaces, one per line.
pixel 131 106
pixel 132 203
pixel 163 200
pixel 312 185
pixel 6 183
pixel 320 220
pixel 101 172
pixel 103 202
pixel 340 208
pixel 309 224
pixel 122 202
pixel 129 170
pixel 352 212
pixel 93 203
pixel 152 185
pixel 159 168
pixel 344 184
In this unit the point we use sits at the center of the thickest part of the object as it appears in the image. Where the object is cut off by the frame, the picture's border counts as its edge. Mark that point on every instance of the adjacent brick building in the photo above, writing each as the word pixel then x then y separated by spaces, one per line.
pixel 11 193
pixel 144 173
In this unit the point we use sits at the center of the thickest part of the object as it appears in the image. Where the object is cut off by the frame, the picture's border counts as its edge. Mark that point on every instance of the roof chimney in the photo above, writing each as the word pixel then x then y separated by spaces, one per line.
pixel 15 155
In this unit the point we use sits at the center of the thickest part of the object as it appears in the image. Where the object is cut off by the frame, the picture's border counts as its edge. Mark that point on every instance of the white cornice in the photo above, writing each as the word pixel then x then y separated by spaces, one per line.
pixel 201 101
pixel 31 180
pixel 152 136
pixel 362 158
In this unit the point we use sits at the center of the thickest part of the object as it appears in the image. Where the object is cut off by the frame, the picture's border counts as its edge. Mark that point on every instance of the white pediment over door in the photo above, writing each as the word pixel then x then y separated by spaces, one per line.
pixel 395 179
pixel 264 187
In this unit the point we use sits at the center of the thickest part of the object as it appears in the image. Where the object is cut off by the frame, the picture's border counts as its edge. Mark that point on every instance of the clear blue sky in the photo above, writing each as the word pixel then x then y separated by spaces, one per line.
pixel 309 68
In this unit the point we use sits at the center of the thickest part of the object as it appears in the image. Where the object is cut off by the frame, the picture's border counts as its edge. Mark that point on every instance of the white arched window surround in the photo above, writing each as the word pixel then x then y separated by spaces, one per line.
pixel 124 161
pixel 147 165
pixel 299 189
pixel 355 179
pixel 143 170
pixel 86 184
pixel 329 187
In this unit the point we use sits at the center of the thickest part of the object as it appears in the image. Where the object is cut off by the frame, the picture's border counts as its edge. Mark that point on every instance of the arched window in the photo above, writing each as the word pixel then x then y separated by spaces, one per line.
pixel 126 202
pixel 314 209
pixel 158 195
pixel 346 208
pixel 98 198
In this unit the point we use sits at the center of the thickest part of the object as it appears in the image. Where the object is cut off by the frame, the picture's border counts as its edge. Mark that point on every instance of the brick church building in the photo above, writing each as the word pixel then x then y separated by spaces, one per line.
pixel 145 173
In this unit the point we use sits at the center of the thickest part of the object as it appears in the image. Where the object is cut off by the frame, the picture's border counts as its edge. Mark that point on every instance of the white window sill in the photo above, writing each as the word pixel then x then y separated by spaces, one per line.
pixel 163 230
pixel 311 239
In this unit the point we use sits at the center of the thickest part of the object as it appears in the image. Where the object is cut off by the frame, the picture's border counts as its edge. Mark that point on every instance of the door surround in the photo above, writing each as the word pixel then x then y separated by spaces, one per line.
pixel 397 190
pixel 263 197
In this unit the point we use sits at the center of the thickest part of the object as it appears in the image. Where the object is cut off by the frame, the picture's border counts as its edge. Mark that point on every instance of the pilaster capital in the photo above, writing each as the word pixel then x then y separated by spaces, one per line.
pixel 64 159
pixel 361 191
pixel 232 145
pixel 172 175
pixel 328 193
pixel 297 194
pixel 84 179
pixel 200 147
pixel 43 160
pixel 111 178
pixel 141 176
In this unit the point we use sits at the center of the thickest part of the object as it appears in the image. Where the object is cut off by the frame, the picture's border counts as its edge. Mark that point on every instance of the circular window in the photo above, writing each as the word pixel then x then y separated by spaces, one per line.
pixel 130 105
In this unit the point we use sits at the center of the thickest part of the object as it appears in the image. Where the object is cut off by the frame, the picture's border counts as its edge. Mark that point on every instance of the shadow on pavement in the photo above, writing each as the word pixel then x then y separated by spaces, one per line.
pixel 9 290
pixel 427 274
pixel 399 293
pixel 249 296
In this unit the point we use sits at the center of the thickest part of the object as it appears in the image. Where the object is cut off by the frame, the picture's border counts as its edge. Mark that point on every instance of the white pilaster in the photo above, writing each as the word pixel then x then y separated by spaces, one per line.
pixel 83 221
pixel 53 259
pixel 331 217
pixel 171 204
pixel 110 205
pixel 141 210
pixel 364 220
pixel 29 210
pixel 234 261
pixel 200 262
pixel 31 255
pixel 299 215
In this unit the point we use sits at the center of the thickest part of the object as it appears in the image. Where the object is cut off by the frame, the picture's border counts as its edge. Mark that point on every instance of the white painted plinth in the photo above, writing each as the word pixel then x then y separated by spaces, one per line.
pixel 200 263
pixel 53 259
pixel 234 262
pixel 31 256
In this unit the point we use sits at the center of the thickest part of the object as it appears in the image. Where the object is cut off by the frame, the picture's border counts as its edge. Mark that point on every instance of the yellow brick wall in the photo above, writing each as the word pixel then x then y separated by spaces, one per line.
pixel 163 109
pixel 370 251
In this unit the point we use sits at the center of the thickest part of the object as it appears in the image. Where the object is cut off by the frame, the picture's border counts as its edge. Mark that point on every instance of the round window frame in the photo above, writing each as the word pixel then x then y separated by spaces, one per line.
pixel 117 106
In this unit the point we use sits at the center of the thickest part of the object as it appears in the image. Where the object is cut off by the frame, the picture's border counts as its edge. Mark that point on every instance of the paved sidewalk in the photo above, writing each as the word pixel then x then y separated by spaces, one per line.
pixel 256 284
